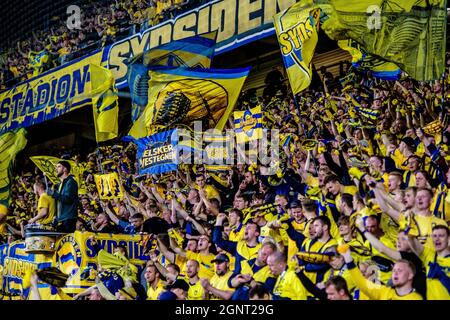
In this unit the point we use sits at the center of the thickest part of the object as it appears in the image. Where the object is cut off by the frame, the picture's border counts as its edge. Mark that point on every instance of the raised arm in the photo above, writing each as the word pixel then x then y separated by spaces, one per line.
pixel 109 212
pixel 226 245
pixel 377 244
pixel 372 290
pixel 166 252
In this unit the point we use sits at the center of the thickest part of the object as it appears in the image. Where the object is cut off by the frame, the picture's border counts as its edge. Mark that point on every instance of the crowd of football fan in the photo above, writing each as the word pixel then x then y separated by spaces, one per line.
pixel 102 23
pixel 358 209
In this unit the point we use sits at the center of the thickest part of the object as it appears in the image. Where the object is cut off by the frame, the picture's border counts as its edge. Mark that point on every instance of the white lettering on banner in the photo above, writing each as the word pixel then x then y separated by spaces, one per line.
pixel 237 22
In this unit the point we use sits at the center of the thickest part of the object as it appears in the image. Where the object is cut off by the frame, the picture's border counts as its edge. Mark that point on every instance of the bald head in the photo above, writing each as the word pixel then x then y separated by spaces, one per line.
pixel 277 262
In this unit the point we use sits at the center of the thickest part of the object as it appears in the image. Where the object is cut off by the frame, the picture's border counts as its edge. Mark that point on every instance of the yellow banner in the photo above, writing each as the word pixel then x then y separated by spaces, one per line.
pixel 75 255
pixel 109 186
pixel 298 32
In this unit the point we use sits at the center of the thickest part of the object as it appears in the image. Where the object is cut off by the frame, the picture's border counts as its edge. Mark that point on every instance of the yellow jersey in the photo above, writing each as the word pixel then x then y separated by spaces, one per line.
pixel 289 286
pixel 45 201
pixel 424 225
pixel 377 291
pixel 153 293
pixel 196 291
pixel 211 192
pixel 221 283
pixel 312 246
pixel 237 234
pixel 383 262
pixel 435 289
pixel 260 275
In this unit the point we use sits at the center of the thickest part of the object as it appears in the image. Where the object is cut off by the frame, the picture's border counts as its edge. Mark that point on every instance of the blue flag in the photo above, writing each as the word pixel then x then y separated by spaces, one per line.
pixel 158 153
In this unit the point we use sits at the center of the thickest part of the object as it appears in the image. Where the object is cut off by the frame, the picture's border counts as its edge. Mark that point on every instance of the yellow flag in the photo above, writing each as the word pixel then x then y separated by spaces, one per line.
pixel 109 186
pixel 105 104
pixel 181 96
pixel 409 33
pixel 11 143
pixel 298 32
pixel 47 165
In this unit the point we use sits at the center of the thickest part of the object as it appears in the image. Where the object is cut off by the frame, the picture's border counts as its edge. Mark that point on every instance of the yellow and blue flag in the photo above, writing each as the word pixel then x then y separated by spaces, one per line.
pixel 181 96
pixel 409 33
pixel 11 143
pixel 248 124
pixel 109 186
pixel 362 60
pixel 298 32
pixel 218 152
pixel 191 52
pixel 105 103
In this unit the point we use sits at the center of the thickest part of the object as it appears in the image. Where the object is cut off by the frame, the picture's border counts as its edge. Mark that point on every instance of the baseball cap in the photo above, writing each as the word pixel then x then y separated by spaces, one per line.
pixel 295 204
pixel 221 258
pixel 409 142
pixel 178 284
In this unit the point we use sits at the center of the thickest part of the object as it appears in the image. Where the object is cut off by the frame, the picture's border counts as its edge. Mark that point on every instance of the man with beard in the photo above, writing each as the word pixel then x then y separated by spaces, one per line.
pixel 245 249
pixel 402 280
pixel 196 291
pixel 66 196
pixel 319 242
pixel 249 185
pixel 218 285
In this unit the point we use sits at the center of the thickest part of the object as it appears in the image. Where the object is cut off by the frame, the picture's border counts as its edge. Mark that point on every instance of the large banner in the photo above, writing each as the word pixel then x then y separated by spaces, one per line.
pixel 10 144
pixel 76 256
pixel 47 96
pixel 238 22
pixel 409 33
pixel 67 87
pixel 16 262
pixel 180 96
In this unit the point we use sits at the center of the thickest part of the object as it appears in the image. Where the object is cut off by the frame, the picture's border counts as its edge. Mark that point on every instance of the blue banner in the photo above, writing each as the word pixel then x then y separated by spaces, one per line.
pixel 158 153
